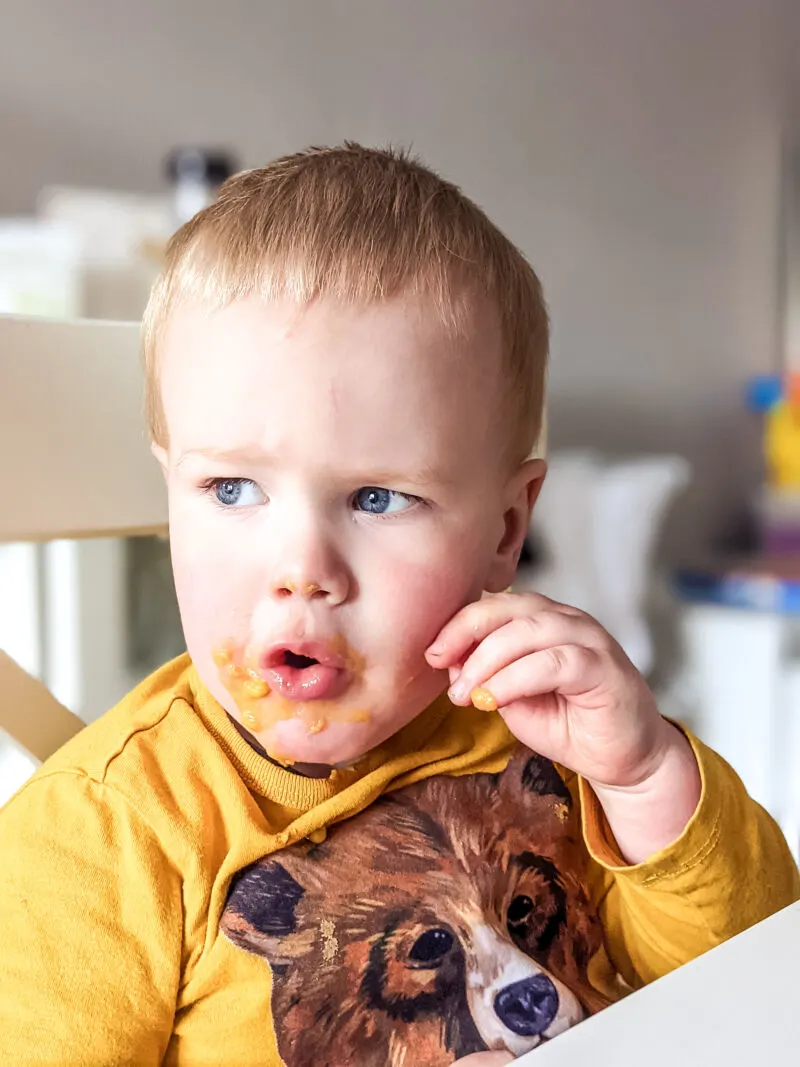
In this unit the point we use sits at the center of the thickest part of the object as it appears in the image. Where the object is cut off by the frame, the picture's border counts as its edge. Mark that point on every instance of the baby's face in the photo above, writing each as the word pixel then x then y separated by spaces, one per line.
pixel 336 494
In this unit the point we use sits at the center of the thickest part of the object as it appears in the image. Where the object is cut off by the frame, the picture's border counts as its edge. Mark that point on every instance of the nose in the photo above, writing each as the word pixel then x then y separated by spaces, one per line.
pixel 309 567
pixel 331 589
pixel 529 1006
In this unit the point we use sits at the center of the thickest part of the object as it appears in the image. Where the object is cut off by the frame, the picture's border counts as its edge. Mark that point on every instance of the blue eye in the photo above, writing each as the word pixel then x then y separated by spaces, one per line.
pixel 236 492
pixel 376 501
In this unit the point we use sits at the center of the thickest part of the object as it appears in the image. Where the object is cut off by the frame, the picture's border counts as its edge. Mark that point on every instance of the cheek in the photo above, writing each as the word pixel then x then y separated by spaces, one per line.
pixel 418 600
pixel 215 591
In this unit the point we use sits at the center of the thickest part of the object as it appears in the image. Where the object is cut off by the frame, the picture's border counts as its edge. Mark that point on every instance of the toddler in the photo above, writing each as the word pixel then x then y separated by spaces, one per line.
pixel 383 812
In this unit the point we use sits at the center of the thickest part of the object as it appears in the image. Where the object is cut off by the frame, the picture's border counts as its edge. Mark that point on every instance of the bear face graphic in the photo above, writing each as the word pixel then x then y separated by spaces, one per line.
pixel 447 918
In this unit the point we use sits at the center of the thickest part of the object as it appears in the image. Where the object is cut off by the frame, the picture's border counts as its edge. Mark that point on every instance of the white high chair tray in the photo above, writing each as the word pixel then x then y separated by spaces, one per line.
pixel 736 1006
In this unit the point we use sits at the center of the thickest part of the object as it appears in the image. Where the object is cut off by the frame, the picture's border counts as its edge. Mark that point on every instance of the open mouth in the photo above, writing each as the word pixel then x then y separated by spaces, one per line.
pixel 309 671
pixel 294 659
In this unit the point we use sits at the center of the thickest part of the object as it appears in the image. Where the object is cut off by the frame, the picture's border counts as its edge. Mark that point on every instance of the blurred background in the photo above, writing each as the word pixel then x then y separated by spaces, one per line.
pixel 642 153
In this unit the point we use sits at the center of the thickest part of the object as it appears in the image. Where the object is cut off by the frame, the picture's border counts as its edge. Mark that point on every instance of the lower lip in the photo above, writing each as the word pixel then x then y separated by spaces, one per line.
pixel 308 683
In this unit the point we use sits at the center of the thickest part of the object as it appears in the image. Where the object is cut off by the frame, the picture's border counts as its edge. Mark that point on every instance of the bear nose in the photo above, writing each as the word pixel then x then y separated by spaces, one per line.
pixel 529 1006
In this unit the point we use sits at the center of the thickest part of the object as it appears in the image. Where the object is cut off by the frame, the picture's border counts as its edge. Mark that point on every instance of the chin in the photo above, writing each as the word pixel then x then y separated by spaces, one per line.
pixel 338 744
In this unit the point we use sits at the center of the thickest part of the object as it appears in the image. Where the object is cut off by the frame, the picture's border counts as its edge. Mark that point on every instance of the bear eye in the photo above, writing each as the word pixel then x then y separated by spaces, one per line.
pixel 519 911
pixel 431 947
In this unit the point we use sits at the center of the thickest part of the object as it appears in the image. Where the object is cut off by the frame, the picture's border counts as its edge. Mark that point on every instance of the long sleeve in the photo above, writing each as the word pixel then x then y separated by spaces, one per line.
pixel 90 948
pixel 730 869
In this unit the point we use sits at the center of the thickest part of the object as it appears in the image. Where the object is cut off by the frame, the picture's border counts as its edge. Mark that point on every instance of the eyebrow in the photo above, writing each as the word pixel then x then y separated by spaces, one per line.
pixel 422 476
pixel 235 455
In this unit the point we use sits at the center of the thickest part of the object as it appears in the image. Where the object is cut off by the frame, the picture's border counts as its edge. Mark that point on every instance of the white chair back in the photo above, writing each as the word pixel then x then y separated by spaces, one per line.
pixel 74 462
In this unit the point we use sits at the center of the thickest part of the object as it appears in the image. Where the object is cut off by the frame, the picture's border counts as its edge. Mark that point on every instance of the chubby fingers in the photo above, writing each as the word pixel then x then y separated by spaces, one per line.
pixel 566 669
pixel 476 621
pixel 519 638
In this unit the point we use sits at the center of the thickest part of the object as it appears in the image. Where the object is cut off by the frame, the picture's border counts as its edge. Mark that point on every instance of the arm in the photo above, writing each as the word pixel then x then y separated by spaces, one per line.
pixel 90 928
pixel 729 869
pixel 647 815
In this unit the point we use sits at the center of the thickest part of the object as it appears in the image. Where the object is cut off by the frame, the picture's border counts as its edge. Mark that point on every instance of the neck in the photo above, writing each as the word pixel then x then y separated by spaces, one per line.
pixel 306 770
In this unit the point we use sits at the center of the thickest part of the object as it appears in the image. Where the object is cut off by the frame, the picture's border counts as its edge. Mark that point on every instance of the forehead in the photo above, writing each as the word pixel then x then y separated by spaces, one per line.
pixel 368 380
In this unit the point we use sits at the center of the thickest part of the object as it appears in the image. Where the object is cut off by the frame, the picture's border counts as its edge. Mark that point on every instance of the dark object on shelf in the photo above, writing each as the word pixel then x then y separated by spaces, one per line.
pixel 196 175
pixel 213 167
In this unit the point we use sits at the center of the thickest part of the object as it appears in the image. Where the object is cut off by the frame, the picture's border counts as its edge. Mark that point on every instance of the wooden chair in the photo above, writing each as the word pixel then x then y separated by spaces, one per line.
pixel 74 463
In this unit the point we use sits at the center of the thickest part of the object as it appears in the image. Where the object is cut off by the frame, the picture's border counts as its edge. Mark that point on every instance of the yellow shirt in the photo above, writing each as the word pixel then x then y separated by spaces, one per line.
pixel 118 857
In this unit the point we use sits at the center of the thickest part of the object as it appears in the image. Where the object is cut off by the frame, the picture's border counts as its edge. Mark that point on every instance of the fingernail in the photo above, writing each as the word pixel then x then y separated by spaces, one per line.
pixel 435 649
pixel 459 690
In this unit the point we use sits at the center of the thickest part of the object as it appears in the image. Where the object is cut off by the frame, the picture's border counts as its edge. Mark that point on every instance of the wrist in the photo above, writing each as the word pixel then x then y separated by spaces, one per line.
pixel 652 812
pixel 641 773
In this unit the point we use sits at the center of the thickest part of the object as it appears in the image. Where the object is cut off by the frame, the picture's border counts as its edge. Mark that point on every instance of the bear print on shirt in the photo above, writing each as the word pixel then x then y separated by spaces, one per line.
pixel 447 918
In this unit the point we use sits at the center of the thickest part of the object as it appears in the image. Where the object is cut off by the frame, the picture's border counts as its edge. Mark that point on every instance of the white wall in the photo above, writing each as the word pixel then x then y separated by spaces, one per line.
pixel 631 147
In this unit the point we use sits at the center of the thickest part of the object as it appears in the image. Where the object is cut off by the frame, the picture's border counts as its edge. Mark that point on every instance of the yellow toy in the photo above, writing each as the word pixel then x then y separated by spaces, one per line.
pixel 779 400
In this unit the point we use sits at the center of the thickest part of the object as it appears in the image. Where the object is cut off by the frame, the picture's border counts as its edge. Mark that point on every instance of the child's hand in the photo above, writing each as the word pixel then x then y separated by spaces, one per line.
pixel 567 690
pixel 564 686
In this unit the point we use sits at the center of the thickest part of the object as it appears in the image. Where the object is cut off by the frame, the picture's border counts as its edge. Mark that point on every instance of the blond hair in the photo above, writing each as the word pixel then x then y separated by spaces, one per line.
pixel 359 225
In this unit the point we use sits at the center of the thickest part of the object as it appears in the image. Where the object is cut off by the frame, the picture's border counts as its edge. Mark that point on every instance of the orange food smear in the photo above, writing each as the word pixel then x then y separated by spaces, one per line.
pixel 261 708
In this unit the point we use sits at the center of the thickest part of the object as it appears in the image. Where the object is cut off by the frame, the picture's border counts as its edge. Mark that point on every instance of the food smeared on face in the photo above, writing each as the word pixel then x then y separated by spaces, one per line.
pixel 306 681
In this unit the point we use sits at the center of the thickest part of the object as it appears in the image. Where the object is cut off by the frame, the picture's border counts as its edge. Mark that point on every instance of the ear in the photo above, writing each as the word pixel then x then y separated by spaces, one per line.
pixel 261 910
pixel 528 773
pixel 160 454
pixel 521 494
pixel 540 776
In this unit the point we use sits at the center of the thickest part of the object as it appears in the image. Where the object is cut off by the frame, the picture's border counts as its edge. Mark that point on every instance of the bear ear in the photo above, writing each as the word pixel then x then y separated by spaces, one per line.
pixel 529 772
pixel 261 909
